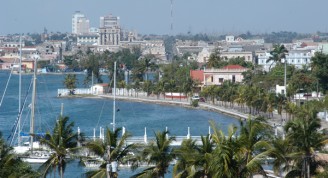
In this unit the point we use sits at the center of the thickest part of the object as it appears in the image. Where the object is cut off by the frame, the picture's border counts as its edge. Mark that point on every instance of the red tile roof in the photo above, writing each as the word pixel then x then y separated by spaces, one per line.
pixel 197 75
pixel 233 67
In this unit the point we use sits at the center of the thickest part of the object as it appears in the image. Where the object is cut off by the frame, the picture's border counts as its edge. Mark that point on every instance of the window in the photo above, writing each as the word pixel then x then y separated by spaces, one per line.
pixel 220 80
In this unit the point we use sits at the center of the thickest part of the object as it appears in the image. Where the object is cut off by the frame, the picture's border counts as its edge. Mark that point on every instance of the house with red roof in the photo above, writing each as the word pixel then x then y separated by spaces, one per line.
pixel 218 76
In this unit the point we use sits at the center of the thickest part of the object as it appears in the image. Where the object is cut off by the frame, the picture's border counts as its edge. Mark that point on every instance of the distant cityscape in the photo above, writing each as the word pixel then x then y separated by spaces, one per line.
pixel 110 36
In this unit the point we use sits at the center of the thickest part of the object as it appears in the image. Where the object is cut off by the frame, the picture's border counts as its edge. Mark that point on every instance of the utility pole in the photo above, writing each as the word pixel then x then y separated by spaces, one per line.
pixel 114 97
pixel 285 78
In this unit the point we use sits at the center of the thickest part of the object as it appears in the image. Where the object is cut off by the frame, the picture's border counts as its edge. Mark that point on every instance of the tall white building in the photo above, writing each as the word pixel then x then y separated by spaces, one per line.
pixel 110 30
pixel 80 23
pixel 298 58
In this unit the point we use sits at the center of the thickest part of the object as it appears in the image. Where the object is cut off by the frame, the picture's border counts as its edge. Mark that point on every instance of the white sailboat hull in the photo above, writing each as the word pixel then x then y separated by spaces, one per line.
pixel 35 160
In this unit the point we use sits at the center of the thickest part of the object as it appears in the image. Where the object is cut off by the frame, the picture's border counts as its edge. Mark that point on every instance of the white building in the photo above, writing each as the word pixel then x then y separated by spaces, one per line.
pixel 203 56
pixel 231 73
pixel 298 58
pixel 80 24
pixel 88 39
pixel 110 30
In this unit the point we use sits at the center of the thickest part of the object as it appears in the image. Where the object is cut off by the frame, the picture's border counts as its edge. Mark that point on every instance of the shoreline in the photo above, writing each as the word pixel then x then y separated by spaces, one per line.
pixel 274 121
pixel 183 103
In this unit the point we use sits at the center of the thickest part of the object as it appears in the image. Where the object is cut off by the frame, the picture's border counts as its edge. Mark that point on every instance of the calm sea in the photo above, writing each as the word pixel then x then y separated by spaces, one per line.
pixel 90 113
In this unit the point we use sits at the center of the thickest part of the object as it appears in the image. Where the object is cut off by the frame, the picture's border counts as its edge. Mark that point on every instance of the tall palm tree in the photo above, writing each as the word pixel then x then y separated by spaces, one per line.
pixel 222 162
pixel 278 53
pixel 305 136
pixel 113 148
pixel 254 140
pixel 62 141
pixel 280 151
pixel 158 154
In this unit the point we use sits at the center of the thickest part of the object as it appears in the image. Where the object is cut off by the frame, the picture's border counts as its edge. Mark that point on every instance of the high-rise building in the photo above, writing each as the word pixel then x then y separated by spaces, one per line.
pixel 110 30
pixel 80 24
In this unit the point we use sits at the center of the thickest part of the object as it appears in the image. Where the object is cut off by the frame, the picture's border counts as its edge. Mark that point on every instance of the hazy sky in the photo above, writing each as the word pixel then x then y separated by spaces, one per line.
pixel 153 16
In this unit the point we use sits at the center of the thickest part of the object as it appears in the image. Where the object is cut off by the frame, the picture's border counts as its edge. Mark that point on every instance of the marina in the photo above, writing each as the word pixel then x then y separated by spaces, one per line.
pixel 92 113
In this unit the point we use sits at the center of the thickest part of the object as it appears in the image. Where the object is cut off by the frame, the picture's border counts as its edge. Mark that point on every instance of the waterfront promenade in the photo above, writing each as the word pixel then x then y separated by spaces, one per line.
pixel 236 111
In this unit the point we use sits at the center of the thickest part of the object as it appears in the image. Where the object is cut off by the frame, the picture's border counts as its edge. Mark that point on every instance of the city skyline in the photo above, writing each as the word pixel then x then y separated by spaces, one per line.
pixel 154 17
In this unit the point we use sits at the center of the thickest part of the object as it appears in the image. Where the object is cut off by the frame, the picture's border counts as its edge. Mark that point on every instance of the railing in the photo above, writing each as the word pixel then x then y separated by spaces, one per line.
pixel 145 139
pixel 80 91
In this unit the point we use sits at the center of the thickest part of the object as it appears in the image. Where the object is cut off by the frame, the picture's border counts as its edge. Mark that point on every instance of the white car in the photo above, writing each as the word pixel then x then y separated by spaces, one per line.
pixel 195 98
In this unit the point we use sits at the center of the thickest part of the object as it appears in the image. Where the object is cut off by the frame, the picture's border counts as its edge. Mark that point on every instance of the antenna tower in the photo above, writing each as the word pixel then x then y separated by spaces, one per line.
pixel 171 17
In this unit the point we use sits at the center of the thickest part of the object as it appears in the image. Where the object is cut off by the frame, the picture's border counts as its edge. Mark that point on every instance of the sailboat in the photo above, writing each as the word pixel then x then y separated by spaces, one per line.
pixel 29 151
pixel 96 162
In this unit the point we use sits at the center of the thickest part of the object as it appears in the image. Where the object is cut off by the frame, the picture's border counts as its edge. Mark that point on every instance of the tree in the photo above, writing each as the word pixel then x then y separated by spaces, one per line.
pixel 171 85
pixel 193 160
pixel 319 67
pixel 214 59
pixel 305 137
pixel 240 155
pixel 278 53
pixel 158 153
pixel 145 64
pixel 111 149
pixel 92 64
pixel 62 141
pixel 70 82
pixel 11 165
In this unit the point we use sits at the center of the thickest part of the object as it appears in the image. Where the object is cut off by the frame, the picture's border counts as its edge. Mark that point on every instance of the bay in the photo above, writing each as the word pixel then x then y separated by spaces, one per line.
pixel 90 113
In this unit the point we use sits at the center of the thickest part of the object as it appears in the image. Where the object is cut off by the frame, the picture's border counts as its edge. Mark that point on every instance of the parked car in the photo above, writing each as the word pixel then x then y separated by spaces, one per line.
pixel 200 99
pixel 195 98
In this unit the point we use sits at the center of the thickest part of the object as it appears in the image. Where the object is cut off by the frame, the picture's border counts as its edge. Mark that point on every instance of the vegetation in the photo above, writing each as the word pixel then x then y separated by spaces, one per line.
pixel 112 149
pixel 70 82
pixel 62 141
pixel 11 165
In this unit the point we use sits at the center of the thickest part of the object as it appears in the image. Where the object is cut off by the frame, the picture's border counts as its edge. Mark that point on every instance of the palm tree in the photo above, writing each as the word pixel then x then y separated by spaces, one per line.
pixel 240 155
pixel 158 154
pixel 280 151
pixel 112 148
pixel 70 82
pixel 278 53
pixel 281 102
pixel 11 165
pixel 171 86
pixel 222 161
pixel 62 141
pixel 305 136
pixel 122 84
pixel 147 87
pixel 193 160
pixel 254 142
pixel 214 59
pixel 187 156
pixel 160 86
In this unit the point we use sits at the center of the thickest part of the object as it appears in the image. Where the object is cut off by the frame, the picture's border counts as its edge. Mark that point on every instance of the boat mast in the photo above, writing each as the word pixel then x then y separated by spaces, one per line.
pixel 33 106
pixel 114 108
pixel 20 90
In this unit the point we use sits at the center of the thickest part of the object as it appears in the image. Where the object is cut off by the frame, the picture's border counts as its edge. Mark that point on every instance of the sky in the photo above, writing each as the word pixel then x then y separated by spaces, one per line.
pixel 154 16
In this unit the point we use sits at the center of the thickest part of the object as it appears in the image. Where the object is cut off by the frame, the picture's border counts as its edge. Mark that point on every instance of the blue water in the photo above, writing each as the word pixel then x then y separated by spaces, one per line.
pixel 90 113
